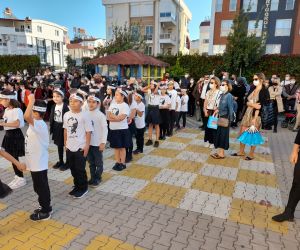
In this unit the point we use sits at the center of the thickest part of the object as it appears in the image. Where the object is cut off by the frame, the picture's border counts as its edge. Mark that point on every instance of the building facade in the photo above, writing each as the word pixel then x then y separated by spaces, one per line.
pixel 204 37
pixel 277 22
pixel 34 37
pixel 163 24
pixel 194 49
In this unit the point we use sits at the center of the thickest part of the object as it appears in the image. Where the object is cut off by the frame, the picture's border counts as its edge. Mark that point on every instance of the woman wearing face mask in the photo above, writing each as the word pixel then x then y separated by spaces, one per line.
pixel 275 92
pixel 225 110
pixel 211 103
pixel 257 97
pixel 192 101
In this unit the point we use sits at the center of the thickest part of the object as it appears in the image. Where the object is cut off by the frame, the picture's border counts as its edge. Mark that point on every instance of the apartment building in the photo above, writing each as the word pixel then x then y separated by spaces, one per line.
pixel 276 21
pixel 34 37
pixel 204 37
pixel 163 23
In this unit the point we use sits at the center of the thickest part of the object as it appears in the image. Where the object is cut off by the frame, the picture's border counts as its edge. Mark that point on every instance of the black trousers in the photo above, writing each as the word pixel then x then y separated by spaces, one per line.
pixel 294 196
pixel 95 160
pixel 183 115
pixel 171 121
pixel 41 187
pixel 165 120
pixel 202 112
pixel 60 149
pixel 191 105
pixel 140 139
pixel 210 134
pixel 77 162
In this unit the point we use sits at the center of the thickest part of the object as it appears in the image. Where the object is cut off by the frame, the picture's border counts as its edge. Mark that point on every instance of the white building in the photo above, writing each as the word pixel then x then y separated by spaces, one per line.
pixel 34 37
pixel 194 47
pixel 164 24
pixel 84 48
pixel 204 38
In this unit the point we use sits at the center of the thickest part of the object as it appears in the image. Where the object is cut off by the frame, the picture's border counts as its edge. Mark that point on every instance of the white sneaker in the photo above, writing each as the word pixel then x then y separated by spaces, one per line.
pixel 206 144
pixel 19 183
pixel 13 181
pixel 212 146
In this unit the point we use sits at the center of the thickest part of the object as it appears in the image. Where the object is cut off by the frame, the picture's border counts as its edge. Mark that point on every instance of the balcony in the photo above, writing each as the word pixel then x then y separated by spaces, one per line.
pixel 23 30
pixel 168 18
pixel 167 38
pixel 148 38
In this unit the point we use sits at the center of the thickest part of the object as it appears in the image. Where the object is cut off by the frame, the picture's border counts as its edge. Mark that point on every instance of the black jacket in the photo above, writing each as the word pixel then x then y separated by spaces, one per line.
pixel 263 98
pixel 51 120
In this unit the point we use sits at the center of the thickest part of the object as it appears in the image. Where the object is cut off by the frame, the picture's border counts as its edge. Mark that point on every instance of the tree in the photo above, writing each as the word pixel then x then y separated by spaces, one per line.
pixel 242 50
pixel 124 38
pixel 70 63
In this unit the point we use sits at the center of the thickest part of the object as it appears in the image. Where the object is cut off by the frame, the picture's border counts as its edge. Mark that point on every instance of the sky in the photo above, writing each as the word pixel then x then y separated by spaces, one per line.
pixel 88 14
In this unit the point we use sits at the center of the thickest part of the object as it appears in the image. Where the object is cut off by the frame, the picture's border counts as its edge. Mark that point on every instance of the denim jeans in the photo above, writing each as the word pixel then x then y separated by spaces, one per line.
pixel 95 160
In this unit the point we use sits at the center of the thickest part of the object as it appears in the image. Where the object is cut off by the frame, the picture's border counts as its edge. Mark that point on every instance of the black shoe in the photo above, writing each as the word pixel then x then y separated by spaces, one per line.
pixel 90 182
pixel 6 190
pixel 74 190
pixel 275 130
pixel 160 138
pixel 156 144
pixel 128 159
pixel 164 138
pixel 116 166
pixel 40 216
pixel 285 216
pixel 123 166
pixel 80 194
pixel 136 152
pixel 56 165
pixel 120 167
pixel 38 210
pixel 149 143
pixel 64 167
pixel 96 183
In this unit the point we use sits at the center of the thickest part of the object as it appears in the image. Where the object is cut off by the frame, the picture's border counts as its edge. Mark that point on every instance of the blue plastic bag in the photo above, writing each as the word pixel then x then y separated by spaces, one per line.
pixel 212 122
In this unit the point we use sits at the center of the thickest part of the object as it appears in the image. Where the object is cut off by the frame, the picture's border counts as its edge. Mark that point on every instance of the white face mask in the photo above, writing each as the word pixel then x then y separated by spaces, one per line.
pixel 192 81
pixel 224 77
pixel 186 76
pixel 206 81
pixel 256 82
pixel 293 81
pixel 211 85
pixel 223 89
pixel 287 78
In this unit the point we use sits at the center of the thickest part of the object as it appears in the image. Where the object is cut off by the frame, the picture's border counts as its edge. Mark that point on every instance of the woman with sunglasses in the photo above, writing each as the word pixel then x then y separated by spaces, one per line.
pixel 257 97
pixel 225 112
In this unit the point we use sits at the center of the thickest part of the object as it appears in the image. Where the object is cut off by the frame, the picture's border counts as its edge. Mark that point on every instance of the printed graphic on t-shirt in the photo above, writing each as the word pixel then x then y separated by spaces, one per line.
pixel 57 115
pixel 162 101
pixel 182 102
pixel 115 111
pixel 73 125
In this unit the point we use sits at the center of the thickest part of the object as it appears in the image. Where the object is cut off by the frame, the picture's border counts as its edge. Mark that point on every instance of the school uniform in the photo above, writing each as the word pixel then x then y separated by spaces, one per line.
pixel 132 130
pixel 177 111
pixel 153 115
pixel 98 136
pixel 120 136
pixel 140 127
pixel 36 158
pixel 56 128
pixel 77 125
pixel 164 103
pixel 173 95
pixel 13 141
pixel 184 109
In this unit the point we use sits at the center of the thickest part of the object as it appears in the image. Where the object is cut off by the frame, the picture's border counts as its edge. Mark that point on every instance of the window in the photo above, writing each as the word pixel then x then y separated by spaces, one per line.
pixel 148 50
pixel 274 5
pixel 169 51
pixel 255 27
pixel 39 29
pixel 148 32
pixel 273 48
pixel 135 32
pixel 41 43
pixel 226 27
pixel 232 6
pixel 56 32
pixel 56 46
pixel 250 5
pixel 290 4
pixel 219 5
pixel 283 27
pixel 205 41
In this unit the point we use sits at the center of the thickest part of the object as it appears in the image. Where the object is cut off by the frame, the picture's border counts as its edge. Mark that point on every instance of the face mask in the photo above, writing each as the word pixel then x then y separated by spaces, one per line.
pixel 211 85
pixel 206 81
pixel 256 82
pixel 192 81
pixel 293 81
pixel 186 76
pixel 223 89
pixel 224 77
pixel 287 78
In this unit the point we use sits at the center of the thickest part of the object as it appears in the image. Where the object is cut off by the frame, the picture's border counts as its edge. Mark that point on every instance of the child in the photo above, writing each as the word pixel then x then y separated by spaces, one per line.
pixel 56 126
pixel 77 137
pixel 178 108
pixel 117 115
pixel 4 189
pixel 98 140
pixel 13 141
pixel 131 124
pixel 139 123
pixel 36 156
pixel 164 105
pixel 173 95
pixel 184 107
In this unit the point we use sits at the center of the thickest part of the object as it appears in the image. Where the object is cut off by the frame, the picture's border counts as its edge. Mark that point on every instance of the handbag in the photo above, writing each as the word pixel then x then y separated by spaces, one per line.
pixel 279 104
pixel 223 122
pixel 212 122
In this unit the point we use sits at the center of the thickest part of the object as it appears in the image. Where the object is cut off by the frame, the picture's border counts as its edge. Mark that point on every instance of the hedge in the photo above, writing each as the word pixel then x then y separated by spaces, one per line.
pixel 198 66
pixel 14 63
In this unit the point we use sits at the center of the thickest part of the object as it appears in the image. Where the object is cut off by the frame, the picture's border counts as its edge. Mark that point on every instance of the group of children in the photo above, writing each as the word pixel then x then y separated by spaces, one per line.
pixel 82 126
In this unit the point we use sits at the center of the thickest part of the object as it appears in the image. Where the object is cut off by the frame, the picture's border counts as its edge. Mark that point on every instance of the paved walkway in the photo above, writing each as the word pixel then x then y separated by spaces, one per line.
pixel 173 197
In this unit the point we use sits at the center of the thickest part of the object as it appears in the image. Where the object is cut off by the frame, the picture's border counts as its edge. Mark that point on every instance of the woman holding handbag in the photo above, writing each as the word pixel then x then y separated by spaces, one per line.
pixel 226 114
pixel 211 103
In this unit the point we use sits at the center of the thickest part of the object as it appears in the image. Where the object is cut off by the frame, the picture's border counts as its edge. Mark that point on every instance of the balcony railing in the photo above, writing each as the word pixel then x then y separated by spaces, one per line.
pixel 148 37
pixel 167 36
pixel 23 30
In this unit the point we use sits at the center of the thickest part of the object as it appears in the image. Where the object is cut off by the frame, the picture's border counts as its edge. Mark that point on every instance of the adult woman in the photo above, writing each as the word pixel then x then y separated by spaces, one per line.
pixel 210 106
pixel 257 97
pixel 275 92
pixel 191 103
pixel 225 112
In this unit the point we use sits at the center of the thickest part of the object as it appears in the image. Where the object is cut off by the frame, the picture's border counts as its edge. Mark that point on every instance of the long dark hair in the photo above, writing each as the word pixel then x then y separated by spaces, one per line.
pixel 12 102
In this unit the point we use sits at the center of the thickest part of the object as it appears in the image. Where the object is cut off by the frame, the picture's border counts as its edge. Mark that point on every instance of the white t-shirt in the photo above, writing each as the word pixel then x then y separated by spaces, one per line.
pixel 99 134
pixel 163 101
pixel 178 101
pixel 12 115
pixel 58 113
pixel 140 120
pixel 77 124
pixel 85 106
pixel 119 109
pixel 154 99
pixel 204 88
pixel 36 146
pixel 172 94
pixel 184 103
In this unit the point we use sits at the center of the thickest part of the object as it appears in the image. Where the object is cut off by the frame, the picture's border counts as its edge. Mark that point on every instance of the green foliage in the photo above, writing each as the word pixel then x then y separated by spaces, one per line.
pixel 242 51
pixel 70 63
pixel 177 69
pixel 124 38
pixel 14 63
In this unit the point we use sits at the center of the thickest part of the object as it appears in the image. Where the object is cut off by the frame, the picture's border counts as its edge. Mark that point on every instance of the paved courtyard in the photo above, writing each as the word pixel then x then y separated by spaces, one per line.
pixel 171 197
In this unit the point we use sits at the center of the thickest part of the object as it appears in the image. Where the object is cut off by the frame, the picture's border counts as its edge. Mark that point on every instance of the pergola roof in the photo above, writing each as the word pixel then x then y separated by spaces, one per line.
pixel 128 57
